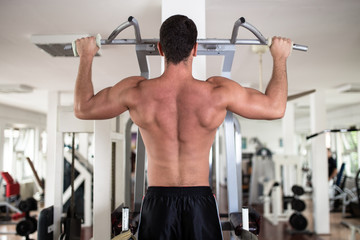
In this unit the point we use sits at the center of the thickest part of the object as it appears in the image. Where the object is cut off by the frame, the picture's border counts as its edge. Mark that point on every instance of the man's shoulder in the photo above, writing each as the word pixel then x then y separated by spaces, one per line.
pixel 134 79
pixel 132 82
pixel 219 81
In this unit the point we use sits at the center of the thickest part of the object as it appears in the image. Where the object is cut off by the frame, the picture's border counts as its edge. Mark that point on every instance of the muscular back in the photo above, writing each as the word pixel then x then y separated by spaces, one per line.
pixel 178 120
pixel 178 115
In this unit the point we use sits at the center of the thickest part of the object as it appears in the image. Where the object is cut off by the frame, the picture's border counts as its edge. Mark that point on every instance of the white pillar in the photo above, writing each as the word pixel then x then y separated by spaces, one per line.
pixel 2 141
pixel 288 129
pixel 319 164
pixel 289 142
pixel 53 101
pixel 55 162
pixel 102 180
pixel 195 10
pixel 58 183
pixel 37 155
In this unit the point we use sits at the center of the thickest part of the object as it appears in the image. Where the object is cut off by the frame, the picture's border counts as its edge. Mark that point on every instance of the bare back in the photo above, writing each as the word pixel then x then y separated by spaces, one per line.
pixel 178 120
pixel 178 115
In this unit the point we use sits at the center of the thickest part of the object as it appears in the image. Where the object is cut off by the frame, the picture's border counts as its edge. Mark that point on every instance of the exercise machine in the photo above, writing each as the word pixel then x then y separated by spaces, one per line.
pixel 12 199
pixel 354 228
pixel 278 194
pixel 263 171
pixel 46 224
pixel 12 194
pixel 297 220
pixel 344 189
pixel 72 223
pixel 82 184
pixel 28 224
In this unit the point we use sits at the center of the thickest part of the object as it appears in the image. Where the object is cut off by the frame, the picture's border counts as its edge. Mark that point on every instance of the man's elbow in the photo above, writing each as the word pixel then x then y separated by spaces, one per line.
pixel 80 112
pixel 278 112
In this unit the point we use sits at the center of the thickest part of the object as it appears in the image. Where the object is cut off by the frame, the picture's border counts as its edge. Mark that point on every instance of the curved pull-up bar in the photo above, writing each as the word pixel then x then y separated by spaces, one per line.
pixel 111 39
pixel 242 23
pixel 130 22
pixel 261 39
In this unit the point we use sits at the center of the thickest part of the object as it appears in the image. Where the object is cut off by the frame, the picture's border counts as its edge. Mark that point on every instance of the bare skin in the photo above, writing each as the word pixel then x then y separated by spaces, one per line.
pixel 178 115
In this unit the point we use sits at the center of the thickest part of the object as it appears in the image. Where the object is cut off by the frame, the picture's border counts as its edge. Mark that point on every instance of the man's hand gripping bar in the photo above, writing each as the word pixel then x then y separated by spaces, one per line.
pixel 131 22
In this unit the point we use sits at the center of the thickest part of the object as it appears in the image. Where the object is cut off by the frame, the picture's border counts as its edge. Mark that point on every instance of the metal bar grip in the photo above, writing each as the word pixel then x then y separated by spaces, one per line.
pixel 342 130
pixel 300 47
pixel 131 22
pixel 242 23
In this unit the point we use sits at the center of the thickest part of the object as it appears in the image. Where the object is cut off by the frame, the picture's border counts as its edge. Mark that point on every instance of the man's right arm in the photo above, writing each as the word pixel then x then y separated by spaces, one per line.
pixel 253 104
pixel 110 101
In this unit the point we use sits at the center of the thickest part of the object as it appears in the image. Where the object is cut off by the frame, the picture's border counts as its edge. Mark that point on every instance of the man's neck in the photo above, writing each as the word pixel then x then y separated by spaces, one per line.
pixel 182 70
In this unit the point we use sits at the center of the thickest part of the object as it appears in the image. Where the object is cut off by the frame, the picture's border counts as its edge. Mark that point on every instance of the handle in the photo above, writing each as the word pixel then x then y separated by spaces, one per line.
pixel 242 23
pixel 130 22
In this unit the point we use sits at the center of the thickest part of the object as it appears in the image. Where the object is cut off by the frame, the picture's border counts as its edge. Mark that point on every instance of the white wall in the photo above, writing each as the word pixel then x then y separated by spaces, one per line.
pixel 336 118
pixel 12 115
pixel 16 117
pixel 268 132
pixel 344 117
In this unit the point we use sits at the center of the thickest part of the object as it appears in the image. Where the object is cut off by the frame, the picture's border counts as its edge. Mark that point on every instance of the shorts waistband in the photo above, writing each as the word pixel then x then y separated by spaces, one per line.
pixel 186 191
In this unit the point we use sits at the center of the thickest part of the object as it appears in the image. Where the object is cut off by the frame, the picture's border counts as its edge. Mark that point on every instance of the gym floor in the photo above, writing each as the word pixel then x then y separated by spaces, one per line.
pixel 282 231
pixel 268 231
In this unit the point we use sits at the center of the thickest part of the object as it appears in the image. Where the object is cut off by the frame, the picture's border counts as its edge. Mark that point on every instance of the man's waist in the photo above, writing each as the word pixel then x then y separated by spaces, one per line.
pixel 180 191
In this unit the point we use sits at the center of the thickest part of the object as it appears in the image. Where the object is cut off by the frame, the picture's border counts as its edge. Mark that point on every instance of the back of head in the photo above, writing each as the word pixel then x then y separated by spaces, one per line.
pixel 178 36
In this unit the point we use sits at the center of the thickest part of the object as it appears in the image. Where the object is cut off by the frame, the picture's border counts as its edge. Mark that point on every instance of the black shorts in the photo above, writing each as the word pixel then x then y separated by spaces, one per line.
pixel 171 213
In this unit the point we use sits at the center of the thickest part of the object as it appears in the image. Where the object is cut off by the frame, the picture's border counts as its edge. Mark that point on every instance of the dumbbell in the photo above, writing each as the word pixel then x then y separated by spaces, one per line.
pixel 27 226
pixel 28 205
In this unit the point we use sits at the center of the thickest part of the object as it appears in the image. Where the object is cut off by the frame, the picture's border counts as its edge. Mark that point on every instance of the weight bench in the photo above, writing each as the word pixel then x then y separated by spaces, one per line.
pixel 353 228
pixel 12 192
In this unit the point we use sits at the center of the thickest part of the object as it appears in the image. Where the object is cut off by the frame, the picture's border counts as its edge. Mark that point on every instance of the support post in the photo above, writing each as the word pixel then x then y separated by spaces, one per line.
pixel 288 129
pixel 2 140
pixel 233 162
pixel 319 164
pixel 127 164
pixel 140 172
pixel 55 162
pixel 58 183
pixel 102 180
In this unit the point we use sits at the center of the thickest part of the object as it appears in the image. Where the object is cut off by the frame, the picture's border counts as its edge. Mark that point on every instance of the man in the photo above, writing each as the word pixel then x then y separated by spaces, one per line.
pixel 332 165
pixel 178 117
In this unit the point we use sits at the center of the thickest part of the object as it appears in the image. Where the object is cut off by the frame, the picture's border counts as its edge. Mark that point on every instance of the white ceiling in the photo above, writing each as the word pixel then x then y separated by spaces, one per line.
pixel 330 29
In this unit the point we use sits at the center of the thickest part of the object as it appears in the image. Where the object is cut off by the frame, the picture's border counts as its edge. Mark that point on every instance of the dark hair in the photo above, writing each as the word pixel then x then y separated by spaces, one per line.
pixel 178 36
